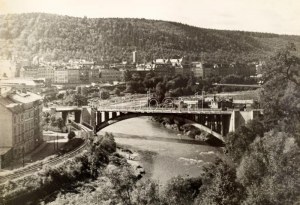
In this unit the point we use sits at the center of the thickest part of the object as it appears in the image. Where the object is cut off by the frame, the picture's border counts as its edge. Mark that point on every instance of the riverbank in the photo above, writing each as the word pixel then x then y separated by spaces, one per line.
pixel 163 160
pixel 164 153
pixel 179 125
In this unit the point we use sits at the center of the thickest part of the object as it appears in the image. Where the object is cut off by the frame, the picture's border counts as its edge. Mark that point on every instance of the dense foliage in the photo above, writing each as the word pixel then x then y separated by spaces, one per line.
pixel 182 85
pixel 65 175
pixel 63 37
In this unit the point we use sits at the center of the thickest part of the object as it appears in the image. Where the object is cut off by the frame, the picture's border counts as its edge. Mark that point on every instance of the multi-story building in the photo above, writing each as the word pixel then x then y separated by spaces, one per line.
pixel 84 76
pixel 246 70
pixel 29 72
pixel 163 68
pixel 46 72
pixel 203 70
pixel 73 75
pixel 110 75
pixel 20 124
pixel 94 74
pixel 61 76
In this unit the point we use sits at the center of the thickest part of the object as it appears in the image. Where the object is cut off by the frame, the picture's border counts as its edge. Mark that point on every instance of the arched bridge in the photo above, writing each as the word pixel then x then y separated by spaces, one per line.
pixel 214 121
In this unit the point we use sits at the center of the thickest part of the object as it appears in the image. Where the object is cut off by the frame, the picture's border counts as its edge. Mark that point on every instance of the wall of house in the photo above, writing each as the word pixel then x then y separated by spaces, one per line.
pixel 6 135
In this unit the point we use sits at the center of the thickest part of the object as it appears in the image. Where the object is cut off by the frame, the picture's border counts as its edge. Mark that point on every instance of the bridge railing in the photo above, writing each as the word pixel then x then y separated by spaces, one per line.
pixel 157 109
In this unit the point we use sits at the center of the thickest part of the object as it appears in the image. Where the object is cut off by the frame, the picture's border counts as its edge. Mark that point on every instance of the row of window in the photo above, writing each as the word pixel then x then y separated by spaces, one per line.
pixel 25 126
pixel 24 137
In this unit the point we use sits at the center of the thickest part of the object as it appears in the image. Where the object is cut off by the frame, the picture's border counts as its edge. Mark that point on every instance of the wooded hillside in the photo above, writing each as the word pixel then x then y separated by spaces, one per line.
pixel 58 37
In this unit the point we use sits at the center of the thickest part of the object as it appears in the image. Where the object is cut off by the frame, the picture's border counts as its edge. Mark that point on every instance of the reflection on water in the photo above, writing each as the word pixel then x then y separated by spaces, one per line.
pixel 163 153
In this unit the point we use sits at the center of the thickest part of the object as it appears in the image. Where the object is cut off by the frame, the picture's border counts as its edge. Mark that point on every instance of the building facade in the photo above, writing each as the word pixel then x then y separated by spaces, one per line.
pixel 110 75
pixel 46 72
pixel 164 69
pixel 28 72
pixel 94 75
pixel 203 70
pixel 73 75
pixel 61 76
pixel 20 124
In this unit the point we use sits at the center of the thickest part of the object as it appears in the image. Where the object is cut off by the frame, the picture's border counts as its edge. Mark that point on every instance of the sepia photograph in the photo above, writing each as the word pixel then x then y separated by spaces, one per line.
pixel 149 102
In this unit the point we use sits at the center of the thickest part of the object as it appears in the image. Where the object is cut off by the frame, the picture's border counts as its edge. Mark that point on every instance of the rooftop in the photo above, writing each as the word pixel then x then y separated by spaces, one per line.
pixel 4 150
pixel 27 97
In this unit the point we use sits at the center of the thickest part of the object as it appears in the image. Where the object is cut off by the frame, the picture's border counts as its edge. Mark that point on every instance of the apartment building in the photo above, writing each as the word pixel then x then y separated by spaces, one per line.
pixel 61 75
pixel 46 72
pixel 28 72
pixel 73 75
pixel 110 75
pixel 20 124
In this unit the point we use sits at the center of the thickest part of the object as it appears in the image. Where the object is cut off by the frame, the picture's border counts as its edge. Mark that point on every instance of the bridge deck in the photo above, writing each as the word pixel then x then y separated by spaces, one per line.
pixel 165 110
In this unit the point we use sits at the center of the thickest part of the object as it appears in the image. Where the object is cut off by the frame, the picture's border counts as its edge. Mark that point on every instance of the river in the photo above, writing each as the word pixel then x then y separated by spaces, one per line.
pixel 163 153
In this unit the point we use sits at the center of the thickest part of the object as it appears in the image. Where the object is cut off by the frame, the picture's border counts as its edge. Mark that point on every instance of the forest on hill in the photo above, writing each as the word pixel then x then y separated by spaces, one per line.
pixel 57 37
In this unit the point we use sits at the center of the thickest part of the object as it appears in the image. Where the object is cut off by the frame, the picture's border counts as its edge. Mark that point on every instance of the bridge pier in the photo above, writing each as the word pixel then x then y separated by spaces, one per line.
pixel 99 117
pixel 106 116
pixel 64 116
pixel 77 116
pixel 113 115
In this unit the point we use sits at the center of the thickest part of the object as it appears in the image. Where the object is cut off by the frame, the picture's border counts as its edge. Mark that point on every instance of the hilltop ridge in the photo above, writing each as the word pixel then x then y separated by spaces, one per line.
pixel 57 37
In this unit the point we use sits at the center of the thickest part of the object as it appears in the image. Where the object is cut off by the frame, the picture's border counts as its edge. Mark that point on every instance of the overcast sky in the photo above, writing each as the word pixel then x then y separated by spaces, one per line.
pixel 275 16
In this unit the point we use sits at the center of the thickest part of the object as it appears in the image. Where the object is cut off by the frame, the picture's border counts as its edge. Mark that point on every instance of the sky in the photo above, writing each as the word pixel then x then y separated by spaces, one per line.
pixel 272 16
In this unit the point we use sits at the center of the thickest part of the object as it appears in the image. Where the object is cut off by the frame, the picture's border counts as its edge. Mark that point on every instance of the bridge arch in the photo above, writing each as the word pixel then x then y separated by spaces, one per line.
pixel 125 116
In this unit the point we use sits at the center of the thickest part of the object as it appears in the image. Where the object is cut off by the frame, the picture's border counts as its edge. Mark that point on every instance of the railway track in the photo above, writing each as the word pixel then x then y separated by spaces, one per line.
pixel 51 162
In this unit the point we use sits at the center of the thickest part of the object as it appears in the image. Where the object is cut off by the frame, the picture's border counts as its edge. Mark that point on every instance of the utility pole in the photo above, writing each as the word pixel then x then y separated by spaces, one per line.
pixel 202 98
pixel 23 161
pixel 57 141
pixel 54 143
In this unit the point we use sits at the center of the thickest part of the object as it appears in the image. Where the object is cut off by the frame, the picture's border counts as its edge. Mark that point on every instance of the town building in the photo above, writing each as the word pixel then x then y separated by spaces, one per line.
pixel 61 76
pixel 203 70
pixel 73 75
pixel 110 75
pixel 28 72
pixel 46 72
pixel 20 124
pixel 163 67
pixel 94 74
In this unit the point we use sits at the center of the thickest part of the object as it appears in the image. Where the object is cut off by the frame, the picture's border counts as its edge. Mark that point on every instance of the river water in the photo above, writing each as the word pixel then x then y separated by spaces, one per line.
pixel 163 153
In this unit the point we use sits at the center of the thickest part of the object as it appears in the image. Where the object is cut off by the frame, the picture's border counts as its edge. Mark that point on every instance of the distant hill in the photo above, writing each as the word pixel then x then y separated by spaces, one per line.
pixel 59 37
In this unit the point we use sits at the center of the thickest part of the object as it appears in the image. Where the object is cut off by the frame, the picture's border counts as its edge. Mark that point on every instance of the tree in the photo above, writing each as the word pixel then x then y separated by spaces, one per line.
pixel 238 143
pixel 219 186
pixel 79 100
pixel 181 190
pixel 60 123
pixel 280 96
pixel 84 91
pixel 104 94
pixel 160 91
pixel 284 63
pixel 71 135
pixel 270 171
pixel 53 121
pixel 60 95
pixel 117 91
pixel 127 75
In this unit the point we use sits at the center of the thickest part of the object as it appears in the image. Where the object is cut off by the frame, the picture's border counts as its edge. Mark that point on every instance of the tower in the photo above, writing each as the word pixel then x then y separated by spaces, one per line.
pixel 134 57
